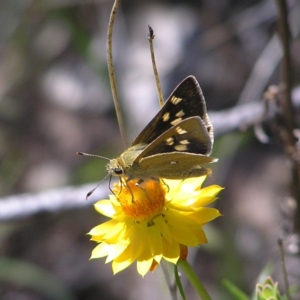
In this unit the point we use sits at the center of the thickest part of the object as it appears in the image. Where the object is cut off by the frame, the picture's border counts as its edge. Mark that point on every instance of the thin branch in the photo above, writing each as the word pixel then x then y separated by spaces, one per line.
pixel 286 102
pixel 283 267
pixel 111 72
pixel 157 81
pixel 289 140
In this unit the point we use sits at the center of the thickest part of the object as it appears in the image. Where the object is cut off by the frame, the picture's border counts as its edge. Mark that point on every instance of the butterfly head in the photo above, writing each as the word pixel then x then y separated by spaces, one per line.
pixel 114 168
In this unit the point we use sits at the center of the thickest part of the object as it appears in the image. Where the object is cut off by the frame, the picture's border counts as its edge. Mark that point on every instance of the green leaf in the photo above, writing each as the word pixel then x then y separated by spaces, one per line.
pixel 178 282
pixel 234 290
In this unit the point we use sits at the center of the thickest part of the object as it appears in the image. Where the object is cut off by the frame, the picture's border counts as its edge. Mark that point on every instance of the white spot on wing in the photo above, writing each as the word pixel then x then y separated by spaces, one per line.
pixel 180 114
pixel 180 130
pixel 176 121
pixel 175 100
pixel 166 117
pixel 181 147
pixel 184 142
pixel 170 141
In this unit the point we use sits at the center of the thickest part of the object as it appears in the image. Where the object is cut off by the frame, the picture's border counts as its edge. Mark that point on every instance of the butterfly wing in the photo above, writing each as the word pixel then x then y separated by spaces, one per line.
pixel 188 136
pixel 186 101
pixel 175 165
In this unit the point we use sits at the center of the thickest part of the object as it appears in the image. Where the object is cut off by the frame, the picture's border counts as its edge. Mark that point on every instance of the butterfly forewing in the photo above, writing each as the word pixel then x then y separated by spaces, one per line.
pixel 185 101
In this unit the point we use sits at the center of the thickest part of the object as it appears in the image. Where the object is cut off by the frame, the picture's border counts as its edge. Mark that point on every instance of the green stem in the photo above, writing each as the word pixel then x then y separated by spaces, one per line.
pixel 193 279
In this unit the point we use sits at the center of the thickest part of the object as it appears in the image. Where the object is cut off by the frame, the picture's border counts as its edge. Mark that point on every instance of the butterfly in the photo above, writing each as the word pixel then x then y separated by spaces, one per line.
pixel 176 142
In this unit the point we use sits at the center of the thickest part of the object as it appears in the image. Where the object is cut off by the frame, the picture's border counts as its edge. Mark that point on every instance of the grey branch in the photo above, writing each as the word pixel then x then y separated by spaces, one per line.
pixel 22 206
pixel 236 118
pixel 18 207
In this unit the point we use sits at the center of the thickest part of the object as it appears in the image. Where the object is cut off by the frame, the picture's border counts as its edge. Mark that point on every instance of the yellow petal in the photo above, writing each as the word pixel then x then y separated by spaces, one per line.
pixel 100 250
pixel 146 254
pixel 203 201
pixel 173 186
pixel 211 190
pixel 103 228
pixel 144 266
pixel 181 229
pixel 208 195
pixel 114 200
pixel 115 233
pixel 180 188
pixel 96 238
pixel 155 242
pixel 136 245
pixel 177 218
pixel 127 255
pixel 184 206
pixel 116 251
pixel 105 208
pixel 205 214
pixel 184 236
pixel 201 236
pixel 137 241
pixel 191 184
pixel 171 251
pixel 163 228
pixel 109 232
pixel 120 266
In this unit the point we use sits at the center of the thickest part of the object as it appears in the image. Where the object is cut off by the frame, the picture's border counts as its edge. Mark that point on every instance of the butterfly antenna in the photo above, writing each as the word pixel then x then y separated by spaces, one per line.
pixel 111 72
pixel 92 155
pixel 93 190
pixel 151 36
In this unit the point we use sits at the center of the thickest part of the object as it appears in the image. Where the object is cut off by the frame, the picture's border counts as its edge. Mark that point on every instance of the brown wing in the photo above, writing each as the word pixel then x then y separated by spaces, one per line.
pixel 188 136
pixel 185 101
pixel 175 165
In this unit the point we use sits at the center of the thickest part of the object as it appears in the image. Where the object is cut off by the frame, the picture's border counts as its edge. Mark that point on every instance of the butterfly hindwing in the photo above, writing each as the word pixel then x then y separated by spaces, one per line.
pixel 188 136
pixel 185 101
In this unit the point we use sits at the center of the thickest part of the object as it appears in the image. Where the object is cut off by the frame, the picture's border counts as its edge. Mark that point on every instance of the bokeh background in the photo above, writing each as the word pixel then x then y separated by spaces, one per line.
pixel 55 99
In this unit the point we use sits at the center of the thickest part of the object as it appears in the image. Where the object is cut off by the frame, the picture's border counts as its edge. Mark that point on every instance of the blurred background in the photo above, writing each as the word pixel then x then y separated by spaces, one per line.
pixel 55 99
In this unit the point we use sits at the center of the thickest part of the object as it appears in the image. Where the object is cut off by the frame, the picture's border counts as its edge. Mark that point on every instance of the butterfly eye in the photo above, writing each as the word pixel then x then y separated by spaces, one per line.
pixel 118 171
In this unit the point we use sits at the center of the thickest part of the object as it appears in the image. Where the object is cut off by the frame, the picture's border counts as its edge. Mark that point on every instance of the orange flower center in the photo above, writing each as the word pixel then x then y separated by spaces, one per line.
pixel 141 202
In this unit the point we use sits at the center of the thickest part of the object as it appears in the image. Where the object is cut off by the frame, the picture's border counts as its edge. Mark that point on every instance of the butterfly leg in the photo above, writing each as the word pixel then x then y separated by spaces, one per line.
pixel 139 183
pixel 144 190
pixel 128 179
pixel 132 198
pixel 122 182
pixel 109 183
pixel 168 188
pixel 142 180
pixel 109 186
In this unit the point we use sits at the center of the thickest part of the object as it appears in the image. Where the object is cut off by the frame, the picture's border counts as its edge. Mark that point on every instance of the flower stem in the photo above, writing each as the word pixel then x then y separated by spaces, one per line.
pixel 193 279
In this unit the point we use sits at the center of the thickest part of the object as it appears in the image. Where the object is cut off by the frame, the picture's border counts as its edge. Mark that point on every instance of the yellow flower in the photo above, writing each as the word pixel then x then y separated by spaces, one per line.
pixel 155 220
